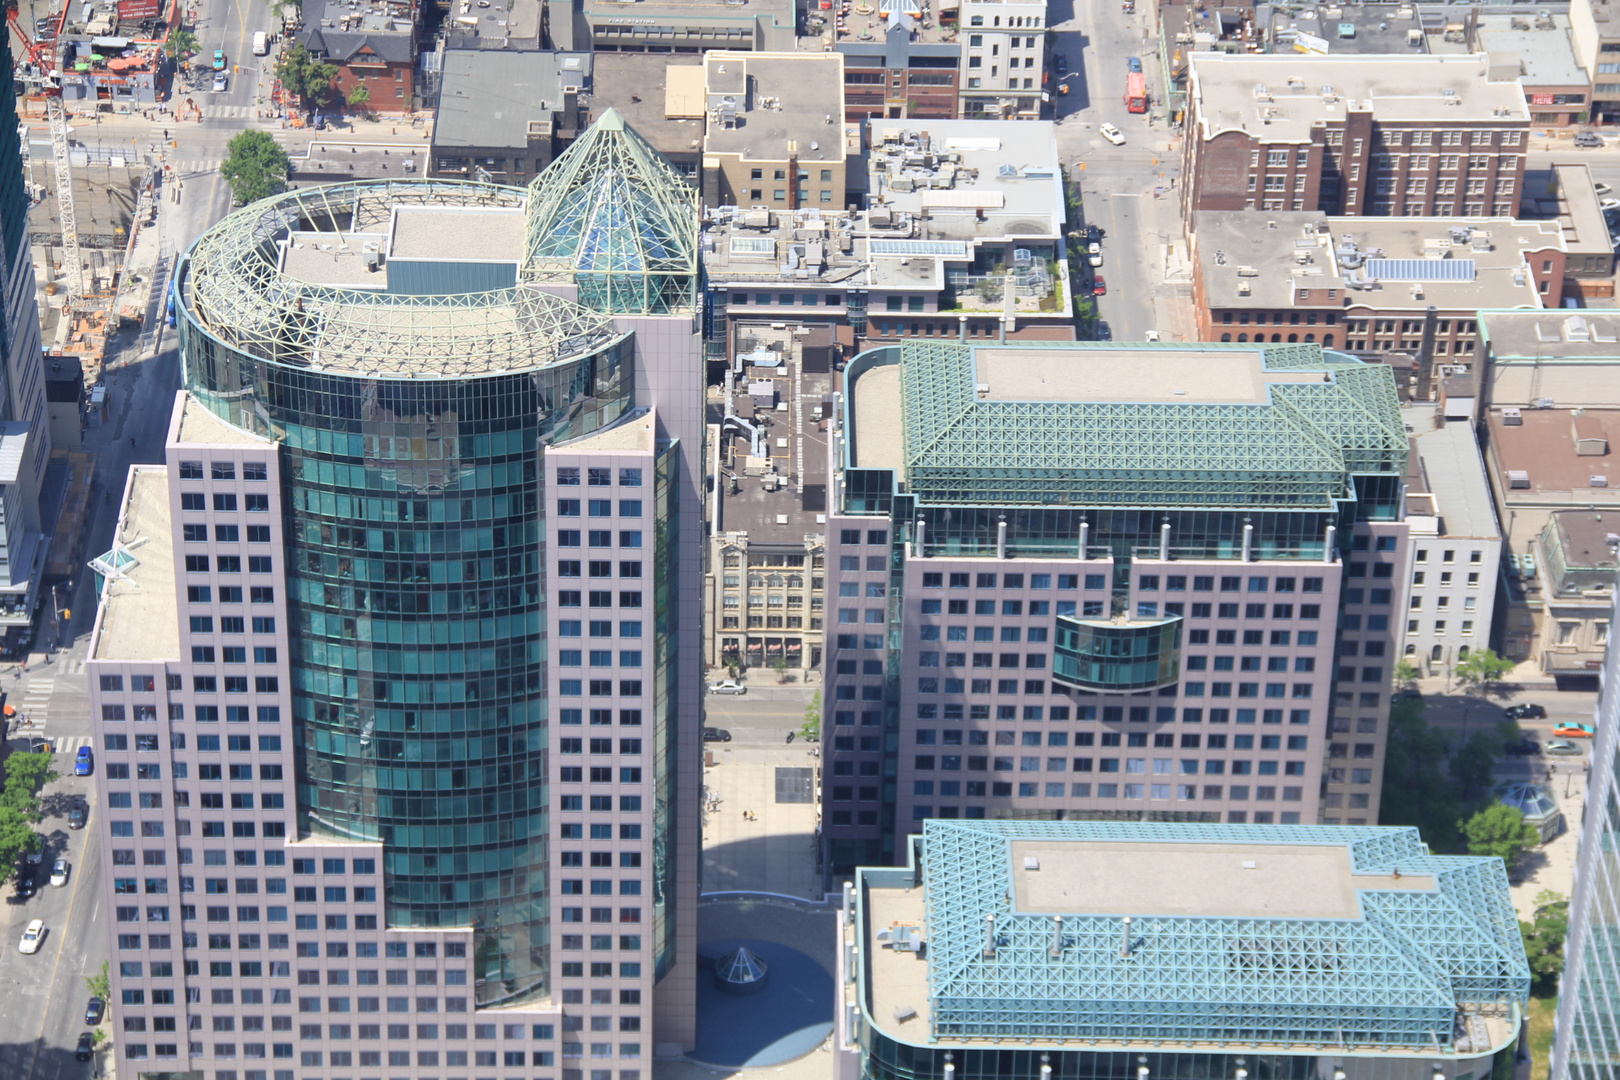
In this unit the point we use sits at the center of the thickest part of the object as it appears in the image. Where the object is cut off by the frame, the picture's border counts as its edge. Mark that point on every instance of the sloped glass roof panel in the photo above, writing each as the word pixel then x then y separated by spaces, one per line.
pixel 1421 269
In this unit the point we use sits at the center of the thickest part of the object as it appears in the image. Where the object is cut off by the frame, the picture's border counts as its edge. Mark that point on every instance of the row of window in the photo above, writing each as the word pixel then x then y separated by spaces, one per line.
pixel 1187 766
pixel 242 830
pixel 344 1058
pixel 599 538
pixel 225 502
pixel 598 476
pixel 599 717
pixel 233 654
pixel 1190 740
pixel 598 746
pixel 575 774
pixel 232 564
pixel 598 687
pixel 224 470
pixel 598 658
pixel 572 598
pixel 1179 792
pixel 599 508
pixel 599 568
pixel 599 628
pixel 225 534
pixel 303 894
pixel 212 800
pixel 206 714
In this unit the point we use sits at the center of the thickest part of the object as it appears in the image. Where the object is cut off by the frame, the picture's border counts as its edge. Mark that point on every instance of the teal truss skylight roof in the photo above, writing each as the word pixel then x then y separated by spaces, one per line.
pixel 1158 425
pixel 615 218
pixel 1352 938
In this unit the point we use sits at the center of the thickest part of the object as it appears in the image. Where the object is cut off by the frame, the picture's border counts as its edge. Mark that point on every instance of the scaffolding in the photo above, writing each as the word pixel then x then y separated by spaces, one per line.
pixel 614 218
pixel 1413 971
pixel 235 287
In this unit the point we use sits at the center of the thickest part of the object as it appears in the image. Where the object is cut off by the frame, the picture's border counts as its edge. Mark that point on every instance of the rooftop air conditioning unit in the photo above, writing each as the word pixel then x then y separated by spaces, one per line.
pixel 1518 480
pixel 1597 481
pixel 1512 418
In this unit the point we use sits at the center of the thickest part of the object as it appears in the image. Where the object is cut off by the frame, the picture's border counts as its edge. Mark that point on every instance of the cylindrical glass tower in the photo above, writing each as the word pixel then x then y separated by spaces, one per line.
pixel 377 331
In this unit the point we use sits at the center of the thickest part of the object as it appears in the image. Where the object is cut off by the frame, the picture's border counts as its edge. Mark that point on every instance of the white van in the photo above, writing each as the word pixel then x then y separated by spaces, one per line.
pixel 261 43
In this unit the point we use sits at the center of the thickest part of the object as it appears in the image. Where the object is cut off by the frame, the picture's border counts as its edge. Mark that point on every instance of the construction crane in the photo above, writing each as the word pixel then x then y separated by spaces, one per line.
pixel 40 70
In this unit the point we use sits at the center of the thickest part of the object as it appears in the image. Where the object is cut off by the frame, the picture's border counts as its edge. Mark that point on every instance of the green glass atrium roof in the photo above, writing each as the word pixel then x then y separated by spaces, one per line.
pixel 1348 937
pixel 1099 424
pixel 614 217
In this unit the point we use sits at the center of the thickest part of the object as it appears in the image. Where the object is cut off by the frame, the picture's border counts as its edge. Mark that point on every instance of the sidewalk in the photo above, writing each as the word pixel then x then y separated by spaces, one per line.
pixel 775 850
pixel 1552 866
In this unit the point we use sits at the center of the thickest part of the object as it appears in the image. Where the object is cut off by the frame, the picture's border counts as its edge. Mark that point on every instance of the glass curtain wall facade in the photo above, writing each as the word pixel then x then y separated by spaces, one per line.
pixel 1586 1039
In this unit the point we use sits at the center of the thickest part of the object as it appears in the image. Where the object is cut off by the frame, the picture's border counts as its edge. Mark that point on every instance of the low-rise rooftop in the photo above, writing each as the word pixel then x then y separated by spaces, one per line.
pixel 493 98
pixel 1189 937
pixel 1372 30
pixel 1279 98
pixel 1581 553
pixel 1450 496
pixel 1560 455
pixel 773 106
pixel 1375 262
pixel 1537 43
pixel 965 180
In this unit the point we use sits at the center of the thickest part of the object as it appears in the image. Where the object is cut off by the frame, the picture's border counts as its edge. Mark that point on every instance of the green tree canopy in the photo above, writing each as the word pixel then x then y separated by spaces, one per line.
pixel 359 96
pixel 1544 941
pixel 181 43
pixel 1499 830
pixel 810 730
pixel 1471 765
pixel 314 81
pixel 255 166
pixel 1480 671
pixel 25 774
pixel 1406 673
pixel 100 984
pixel 1416 792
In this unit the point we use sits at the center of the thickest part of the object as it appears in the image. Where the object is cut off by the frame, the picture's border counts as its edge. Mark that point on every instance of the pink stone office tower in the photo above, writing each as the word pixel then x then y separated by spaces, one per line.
pixel 1110 582
pixel 394 677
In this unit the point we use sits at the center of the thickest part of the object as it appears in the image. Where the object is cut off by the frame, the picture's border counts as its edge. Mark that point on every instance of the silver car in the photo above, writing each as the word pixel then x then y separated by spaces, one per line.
pixel 1561 748
pixel 728 686
pixel 59 872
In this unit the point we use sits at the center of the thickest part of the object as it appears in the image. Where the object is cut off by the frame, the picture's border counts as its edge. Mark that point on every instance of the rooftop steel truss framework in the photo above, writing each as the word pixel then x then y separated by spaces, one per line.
pixel 614 218
pixel 1298 450
pixel 1399 977
pixel 240 295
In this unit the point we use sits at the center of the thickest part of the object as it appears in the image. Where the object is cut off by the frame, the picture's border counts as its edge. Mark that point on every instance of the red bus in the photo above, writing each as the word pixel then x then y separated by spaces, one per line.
pixel 1135 93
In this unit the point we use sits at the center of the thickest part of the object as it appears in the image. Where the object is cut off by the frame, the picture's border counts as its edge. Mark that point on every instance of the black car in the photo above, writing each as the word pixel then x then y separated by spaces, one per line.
pixel 1526 712
pixel 23 887
pixel 94 1011
pixel 716 734
pixel 1521 748
pixel 1104 332
pixel 87 1046
pixel 78 814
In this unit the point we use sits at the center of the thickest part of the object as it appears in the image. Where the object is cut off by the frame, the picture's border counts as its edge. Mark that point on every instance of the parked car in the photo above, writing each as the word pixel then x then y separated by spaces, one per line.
pixel 1134 64
pixel 1411 693
pixel 94 1011
pixel 1099 287
pixel 1526 711
pixel 1561 748
pixel 22 886
pixel 32 935
pixel 1588 140
pixel 84 762
pixel 1152 335
pixel 1060 61
pixel 1568 729
pixel 1104 332
pixel 59 873
pixel 1601 188
pixel 716 734
pixel 86 1047
pixel 1112 134
pixel 78 814
pixel 1521 748
pixel 36 856
pixel 727 686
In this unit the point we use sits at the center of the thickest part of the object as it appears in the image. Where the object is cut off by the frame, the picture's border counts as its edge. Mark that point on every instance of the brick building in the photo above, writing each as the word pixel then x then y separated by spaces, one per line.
pixel 1408 136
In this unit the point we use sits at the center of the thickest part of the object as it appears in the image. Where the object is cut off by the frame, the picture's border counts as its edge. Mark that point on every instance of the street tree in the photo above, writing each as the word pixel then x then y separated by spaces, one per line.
pixel 1499 830
pixel 1472 764
pixel 100 984
pixel 284 9
pixel 25 774
pixel 1406 674
pixel 1544 941
pixel 181 44
pixel 810 730
pixel 255 166
pixel 1481 671
pixel 1415 791
pixel 359 97
pixel 313 81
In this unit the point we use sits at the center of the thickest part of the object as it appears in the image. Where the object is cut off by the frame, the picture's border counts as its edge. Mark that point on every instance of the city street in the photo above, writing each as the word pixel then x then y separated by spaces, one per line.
pixel 1127 191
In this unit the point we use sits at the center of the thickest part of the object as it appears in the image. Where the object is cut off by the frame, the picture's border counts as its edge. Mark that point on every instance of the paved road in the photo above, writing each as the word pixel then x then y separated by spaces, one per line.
pixel 758 718
pixel 1461 716
pixel 1118 183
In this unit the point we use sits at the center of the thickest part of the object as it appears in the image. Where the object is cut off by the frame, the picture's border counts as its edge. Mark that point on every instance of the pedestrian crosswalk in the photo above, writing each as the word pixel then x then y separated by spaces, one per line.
pixel 68 744
pixel 195 167
pixel 35 704
pixel 229 112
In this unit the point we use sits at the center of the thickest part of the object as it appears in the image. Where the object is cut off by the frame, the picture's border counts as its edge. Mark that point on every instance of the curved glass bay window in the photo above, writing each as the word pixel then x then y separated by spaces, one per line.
pixel 1099 654
pixel 411 428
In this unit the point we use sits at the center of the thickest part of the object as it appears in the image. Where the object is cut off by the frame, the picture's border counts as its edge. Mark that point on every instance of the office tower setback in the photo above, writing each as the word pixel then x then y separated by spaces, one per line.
pixel 391 643
pixel 1108 581
pixel 1586 1034
pixel 1169 950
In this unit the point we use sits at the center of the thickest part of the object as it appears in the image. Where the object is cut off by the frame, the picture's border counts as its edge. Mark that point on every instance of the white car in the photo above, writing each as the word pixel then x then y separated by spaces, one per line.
pixel 1095 258
pixel 1601 188
pixel 1609 203
pixel 32 936
pixel 221 82
pixel 1152 335
pixel 59 873
pixel 1112 134
pixel 728 686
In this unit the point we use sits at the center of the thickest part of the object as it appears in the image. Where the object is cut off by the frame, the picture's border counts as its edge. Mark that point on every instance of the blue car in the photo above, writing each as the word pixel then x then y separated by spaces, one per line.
pixel 83 764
